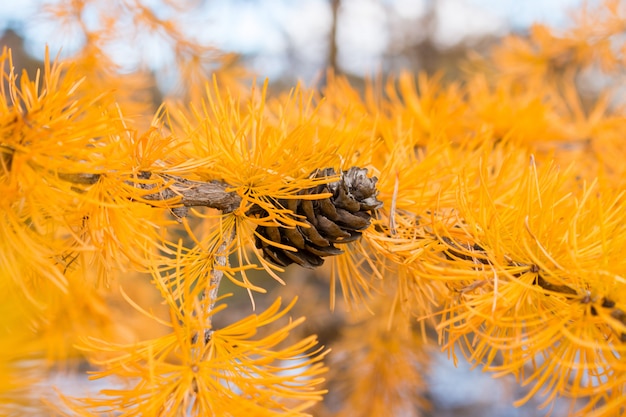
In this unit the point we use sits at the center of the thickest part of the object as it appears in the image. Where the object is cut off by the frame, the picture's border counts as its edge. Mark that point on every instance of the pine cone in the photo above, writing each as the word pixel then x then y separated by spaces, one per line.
pixel 338 219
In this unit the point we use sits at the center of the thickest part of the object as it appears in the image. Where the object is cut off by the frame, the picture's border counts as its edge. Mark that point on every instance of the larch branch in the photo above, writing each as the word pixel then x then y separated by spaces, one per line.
pixel 212 194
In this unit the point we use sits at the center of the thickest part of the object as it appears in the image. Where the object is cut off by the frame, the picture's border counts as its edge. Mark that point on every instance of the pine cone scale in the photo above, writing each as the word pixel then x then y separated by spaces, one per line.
pixel 343 200
pixel 330 229
pixel 294 237
pixel 307 209
pixel 326 251
pixel 352 221
pixel 328 209
pixel 305 259
pixel 312 235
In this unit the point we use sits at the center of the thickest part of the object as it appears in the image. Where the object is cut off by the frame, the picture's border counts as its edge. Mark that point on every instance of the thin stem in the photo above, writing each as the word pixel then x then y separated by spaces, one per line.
pixel 209 296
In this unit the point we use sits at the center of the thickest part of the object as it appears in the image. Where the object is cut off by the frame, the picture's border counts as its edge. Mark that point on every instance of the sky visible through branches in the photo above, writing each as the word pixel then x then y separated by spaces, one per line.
pixel 273 30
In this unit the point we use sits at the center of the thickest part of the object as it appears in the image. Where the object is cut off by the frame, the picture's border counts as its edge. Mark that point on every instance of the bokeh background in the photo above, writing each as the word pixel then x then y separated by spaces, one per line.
pixel 296 40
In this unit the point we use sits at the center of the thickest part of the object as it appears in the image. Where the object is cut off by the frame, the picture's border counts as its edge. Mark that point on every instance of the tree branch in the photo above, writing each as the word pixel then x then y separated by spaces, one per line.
pixel 211 194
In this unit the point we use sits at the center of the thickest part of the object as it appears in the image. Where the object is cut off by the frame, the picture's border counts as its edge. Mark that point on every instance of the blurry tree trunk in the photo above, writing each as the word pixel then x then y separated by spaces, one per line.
pixel 332 47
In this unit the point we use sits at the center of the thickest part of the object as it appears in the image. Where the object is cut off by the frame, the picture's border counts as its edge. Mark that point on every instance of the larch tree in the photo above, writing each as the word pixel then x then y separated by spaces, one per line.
pixel 485 215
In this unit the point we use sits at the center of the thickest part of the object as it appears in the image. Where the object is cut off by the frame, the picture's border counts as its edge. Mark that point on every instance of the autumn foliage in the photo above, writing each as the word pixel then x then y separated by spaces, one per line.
pixel 499 236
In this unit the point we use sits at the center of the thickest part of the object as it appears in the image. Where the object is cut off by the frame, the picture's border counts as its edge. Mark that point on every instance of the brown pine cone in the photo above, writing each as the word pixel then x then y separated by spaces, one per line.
pixel 338 219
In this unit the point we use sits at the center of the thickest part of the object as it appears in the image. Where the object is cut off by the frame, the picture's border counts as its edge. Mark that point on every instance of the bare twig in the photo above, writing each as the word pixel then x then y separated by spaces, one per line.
pixel 212 194
pixel 209 296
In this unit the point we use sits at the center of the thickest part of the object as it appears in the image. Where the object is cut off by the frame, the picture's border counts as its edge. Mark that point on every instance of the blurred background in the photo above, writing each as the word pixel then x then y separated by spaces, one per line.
pixel 296 40
pixel 290 41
